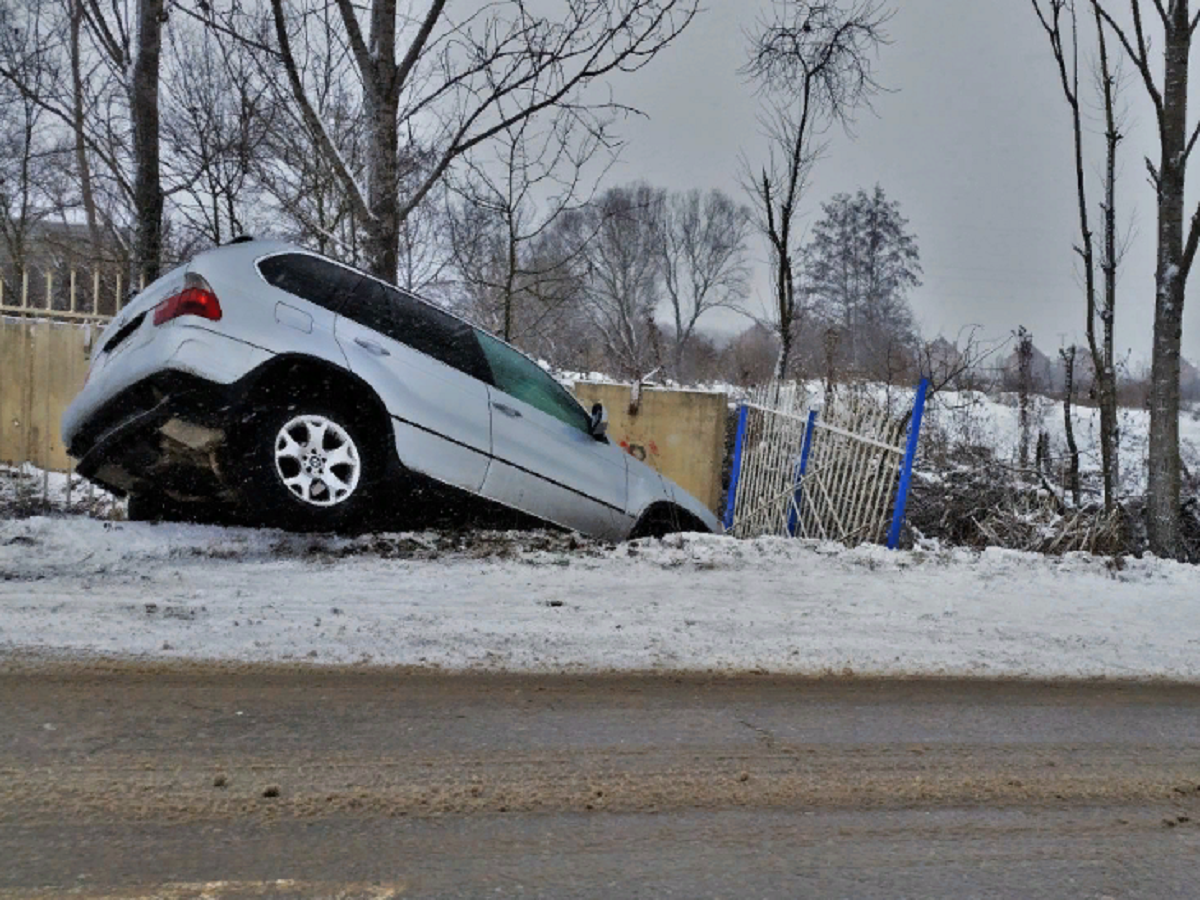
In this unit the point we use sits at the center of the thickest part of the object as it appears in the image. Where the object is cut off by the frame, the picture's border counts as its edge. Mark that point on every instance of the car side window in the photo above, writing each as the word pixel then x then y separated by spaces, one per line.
pixel 409 320
pixel 525 380
pixel 310 277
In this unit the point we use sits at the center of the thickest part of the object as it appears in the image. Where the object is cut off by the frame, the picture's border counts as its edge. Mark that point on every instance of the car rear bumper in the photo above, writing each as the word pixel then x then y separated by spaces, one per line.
pixel 168 432
pixel 176 350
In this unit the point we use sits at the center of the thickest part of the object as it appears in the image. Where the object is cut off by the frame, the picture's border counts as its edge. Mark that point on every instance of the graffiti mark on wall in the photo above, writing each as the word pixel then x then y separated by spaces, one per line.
pixel 639 451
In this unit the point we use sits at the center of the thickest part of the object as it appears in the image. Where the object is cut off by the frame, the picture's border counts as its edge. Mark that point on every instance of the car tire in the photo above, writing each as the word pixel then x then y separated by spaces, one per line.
pixel 661 520
pixel 308 467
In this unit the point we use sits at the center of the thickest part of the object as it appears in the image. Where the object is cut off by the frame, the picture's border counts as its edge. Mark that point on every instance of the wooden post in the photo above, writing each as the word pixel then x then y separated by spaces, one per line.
pixel 46 426
pixel 27 388
pixel 95 292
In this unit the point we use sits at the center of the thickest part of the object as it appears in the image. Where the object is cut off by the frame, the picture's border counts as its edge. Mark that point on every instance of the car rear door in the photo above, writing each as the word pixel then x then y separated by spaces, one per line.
pixel 544 459
pixel 426 366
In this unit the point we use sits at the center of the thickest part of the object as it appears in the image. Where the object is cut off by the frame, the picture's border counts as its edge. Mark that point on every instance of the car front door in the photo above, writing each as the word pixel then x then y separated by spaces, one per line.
pixel 427 367
pixel 545 461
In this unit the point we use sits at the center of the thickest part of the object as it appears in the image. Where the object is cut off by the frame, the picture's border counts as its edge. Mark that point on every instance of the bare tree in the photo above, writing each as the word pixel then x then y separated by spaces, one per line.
pixel 24 150
pixel 307 193
pixel 1176 245
pixel 454 83
pixel 216 118
pixel 860 265
pixel 507 202
pixel 704 262
pixel 813 61
pixel 1064 44
pixel 621 259
pixel 83 166
pixel 110 107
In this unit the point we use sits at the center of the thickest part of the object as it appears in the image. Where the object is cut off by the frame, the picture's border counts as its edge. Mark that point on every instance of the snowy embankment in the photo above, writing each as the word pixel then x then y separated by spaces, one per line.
pixel 547 602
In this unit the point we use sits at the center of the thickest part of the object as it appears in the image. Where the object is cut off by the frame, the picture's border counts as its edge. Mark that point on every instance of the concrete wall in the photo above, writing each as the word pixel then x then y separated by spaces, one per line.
pixel 42 367
pixel 679 433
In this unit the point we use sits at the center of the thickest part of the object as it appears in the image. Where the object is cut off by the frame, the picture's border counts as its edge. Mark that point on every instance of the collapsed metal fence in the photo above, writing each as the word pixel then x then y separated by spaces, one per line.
pixel 838 475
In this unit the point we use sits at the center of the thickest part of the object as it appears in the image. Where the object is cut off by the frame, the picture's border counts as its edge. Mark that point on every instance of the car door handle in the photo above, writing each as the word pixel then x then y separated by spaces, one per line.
pixel 507 410
pixel 372 347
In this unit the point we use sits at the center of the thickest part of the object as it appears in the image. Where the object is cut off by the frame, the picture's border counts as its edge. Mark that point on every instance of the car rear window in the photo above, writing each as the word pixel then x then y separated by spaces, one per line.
pixel 311 278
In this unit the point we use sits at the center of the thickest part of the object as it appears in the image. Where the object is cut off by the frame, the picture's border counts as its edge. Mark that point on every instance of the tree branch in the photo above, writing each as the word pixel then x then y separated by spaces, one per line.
pixel 312 120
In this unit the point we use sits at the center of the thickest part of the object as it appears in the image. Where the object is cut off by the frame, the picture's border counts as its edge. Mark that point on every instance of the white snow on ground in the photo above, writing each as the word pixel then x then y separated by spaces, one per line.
pixel 547 602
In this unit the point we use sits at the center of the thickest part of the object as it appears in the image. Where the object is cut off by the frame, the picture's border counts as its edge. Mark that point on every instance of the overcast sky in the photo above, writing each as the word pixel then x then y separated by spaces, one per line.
pixel 973 141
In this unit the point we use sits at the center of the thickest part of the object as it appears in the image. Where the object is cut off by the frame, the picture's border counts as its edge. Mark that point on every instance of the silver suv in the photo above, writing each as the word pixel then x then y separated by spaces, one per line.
pixel 263 381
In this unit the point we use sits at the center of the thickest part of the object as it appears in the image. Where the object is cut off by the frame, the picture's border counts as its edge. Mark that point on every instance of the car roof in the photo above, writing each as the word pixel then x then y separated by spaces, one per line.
pixel 255 249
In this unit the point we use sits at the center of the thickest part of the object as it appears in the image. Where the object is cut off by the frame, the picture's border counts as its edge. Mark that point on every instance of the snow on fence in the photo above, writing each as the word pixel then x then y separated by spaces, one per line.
pixel 47 328
pixel 840 476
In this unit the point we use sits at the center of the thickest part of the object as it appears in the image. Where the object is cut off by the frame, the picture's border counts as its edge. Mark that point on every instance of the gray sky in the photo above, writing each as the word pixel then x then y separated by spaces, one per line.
pixel 974 142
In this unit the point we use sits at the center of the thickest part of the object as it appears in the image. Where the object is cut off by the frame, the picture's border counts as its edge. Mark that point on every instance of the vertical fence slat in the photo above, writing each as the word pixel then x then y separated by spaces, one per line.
pixel 798 496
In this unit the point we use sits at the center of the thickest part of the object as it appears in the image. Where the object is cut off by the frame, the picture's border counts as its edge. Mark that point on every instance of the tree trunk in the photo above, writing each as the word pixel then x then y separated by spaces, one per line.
pixel 1068 358
pixel 1164 482
pixel 1024 385
pixel 1104 373
pixel 81 159
pixel 785 296
pixel 382 113
pixel 147 188
pixel 510 275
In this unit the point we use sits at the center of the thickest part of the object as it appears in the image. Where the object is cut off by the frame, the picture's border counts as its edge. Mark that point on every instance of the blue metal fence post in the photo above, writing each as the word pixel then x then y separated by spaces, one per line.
pixel 735 471
pixel 910 454
pixel 794 515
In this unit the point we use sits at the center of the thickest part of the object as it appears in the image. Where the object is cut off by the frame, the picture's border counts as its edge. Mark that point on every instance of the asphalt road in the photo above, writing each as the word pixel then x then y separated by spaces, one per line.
pixel 188 782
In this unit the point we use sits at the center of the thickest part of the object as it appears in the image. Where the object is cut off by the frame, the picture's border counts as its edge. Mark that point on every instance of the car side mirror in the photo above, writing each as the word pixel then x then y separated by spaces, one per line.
pixel 598 424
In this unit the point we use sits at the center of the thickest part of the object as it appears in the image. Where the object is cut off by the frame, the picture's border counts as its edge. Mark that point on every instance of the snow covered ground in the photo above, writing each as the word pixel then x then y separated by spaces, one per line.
pixel 73 585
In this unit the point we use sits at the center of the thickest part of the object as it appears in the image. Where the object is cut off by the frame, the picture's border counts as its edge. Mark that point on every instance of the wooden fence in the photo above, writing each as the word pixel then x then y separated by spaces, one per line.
pixel 47 329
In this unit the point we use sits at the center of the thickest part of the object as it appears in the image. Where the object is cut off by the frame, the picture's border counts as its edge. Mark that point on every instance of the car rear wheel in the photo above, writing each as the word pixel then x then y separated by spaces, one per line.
pixel 310 468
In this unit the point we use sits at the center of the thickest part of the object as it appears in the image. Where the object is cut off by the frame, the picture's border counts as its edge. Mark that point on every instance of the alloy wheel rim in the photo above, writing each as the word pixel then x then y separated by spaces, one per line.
pixel 317 460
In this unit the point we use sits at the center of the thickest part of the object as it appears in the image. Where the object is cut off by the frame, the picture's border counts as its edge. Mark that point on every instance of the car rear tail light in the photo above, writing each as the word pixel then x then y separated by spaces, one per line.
pixel 196 299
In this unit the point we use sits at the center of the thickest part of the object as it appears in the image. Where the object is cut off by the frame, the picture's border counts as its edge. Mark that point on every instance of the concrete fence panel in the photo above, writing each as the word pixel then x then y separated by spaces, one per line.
pixel 679 433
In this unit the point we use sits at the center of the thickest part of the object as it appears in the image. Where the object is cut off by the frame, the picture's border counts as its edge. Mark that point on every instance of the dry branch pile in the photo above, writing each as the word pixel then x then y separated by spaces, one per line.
pixel 976 502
